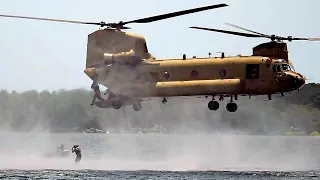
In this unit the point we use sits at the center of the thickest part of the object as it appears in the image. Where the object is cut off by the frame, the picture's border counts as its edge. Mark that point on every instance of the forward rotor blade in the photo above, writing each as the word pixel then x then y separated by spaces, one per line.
pixel 306 39
pixel 47 19
pixel 264 35
pixel 227 32
pixel 174 14
pixel 274 36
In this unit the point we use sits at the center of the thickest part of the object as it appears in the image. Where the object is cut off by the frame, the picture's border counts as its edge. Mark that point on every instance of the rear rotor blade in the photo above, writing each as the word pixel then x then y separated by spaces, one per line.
pixel 227 32
pixel 121 24
pixel 174 14
pixel 47 19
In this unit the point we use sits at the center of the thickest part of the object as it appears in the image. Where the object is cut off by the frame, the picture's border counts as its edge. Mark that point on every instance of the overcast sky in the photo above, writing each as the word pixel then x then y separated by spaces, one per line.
pixel 47 55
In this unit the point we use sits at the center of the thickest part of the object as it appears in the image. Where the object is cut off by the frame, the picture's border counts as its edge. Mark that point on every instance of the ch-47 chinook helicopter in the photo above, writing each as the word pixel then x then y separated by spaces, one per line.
pixel 266 72
pixel 121 62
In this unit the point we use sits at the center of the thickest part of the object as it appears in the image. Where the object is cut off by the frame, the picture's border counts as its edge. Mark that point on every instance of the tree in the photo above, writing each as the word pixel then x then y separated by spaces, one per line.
pixel 69 110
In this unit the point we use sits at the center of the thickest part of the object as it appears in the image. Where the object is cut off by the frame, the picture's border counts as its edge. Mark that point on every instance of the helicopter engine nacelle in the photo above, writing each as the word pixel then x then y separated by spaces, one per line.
pixel 122 58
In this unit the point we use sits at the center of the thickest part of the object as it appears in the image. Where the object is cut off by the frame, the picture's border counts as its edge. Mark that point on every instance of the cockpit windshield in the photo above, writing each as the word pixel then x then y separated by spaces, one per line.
pixel 286 67
pixel 280 67
pixel 292 68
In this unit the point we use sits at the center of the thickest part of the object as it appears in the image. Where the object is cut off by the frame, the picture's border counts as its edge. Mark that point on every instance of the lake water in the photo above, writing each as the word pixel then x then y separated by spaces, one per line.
pixel 157 156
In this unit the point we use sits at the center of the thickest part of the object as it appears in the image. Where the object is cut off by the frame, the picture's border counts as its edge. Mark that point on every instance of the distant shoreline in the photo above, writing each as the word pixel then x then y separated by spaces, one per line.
pixel 165 133
pixel 301 134
pixel 69 111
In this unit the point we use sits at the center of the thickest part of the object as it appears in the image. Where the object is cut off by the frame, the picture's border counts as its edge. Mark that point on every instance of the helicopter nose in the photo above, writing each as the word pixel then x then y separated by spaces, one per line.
pixel 296 81
pixel 91 72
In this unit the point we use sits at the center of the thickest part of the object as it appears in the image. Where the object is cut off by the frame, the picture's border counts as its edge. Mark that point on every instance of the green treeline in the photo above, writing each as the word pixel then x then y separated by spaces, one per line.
pixel 70 111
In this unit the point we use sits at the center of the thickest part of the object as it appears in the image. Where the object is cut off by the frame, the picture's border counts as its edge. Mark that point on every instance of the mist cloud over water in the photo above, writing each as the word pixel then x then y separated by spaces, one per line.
pixel 161 152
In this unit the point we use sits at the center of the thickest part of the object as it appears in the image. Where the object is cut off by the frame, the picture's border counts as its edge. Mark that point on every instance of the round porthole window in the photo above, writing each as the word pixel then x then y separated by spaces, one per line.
pixel 166 75
pixel 194 74
pixel 222 72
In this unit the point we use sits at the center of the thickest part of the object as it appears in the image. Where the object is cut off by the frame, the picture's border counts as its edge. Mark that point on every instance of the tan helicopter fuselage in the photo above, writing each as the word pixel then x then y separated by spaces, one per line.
pixel 121 62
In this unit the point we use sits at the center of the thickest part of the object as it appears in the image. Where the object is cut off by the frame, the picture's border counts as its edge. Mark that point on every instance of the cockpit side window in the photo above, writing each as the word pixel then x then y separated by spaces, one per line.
pixel 279 68
pixel 276 68
pixel 286 67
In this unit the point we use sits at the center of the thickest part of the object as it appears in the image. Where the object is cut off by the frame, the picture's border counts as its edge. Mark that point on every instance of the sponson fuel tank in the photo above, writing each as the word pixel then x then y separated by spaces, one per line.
pixel 182 88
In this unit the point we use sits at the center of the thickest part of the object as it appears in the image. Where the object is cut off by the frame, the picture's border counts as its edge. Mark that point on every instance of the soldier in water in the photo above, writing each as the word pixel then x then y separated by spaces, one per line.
pixel 61 148
pixel 97 93
pixel 77 150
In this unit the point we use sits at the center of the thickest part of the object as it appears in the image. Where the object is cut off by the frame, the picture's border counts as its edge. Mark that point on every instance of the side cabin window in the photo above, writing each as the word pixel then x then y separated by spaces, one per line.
pixel 252 71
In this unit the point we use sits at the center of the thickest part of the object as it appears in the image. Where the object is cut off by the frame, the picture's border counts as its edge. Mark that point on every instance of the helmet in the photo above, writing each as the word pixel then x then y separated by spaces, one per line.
pixel 75 146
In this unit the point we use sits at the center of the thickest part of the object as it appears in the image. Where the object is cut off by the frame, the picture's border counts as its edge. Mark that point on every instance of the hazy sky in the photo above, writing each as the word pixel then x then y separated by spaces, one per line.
pixel 48 55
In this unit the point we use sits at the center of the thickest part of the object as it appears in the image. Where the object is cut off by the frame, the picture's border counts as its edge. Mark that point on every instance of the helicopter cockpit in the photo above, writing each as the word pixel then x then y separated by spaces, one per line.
pixel 279 67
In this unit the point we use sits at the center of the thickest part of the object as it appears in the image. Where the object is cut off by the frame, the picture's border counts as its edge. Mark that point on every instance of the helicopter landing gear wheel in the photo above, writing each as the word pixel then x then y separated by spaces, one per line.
pixel 137 106
pixel 116 104
pixel 213 105
pixel 232 107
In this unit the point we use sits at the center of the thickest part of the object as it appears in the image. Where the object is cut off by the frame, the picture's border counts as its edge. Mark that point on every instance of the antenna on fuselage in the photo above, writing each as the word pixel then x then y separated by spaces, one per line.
pixel 222 54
